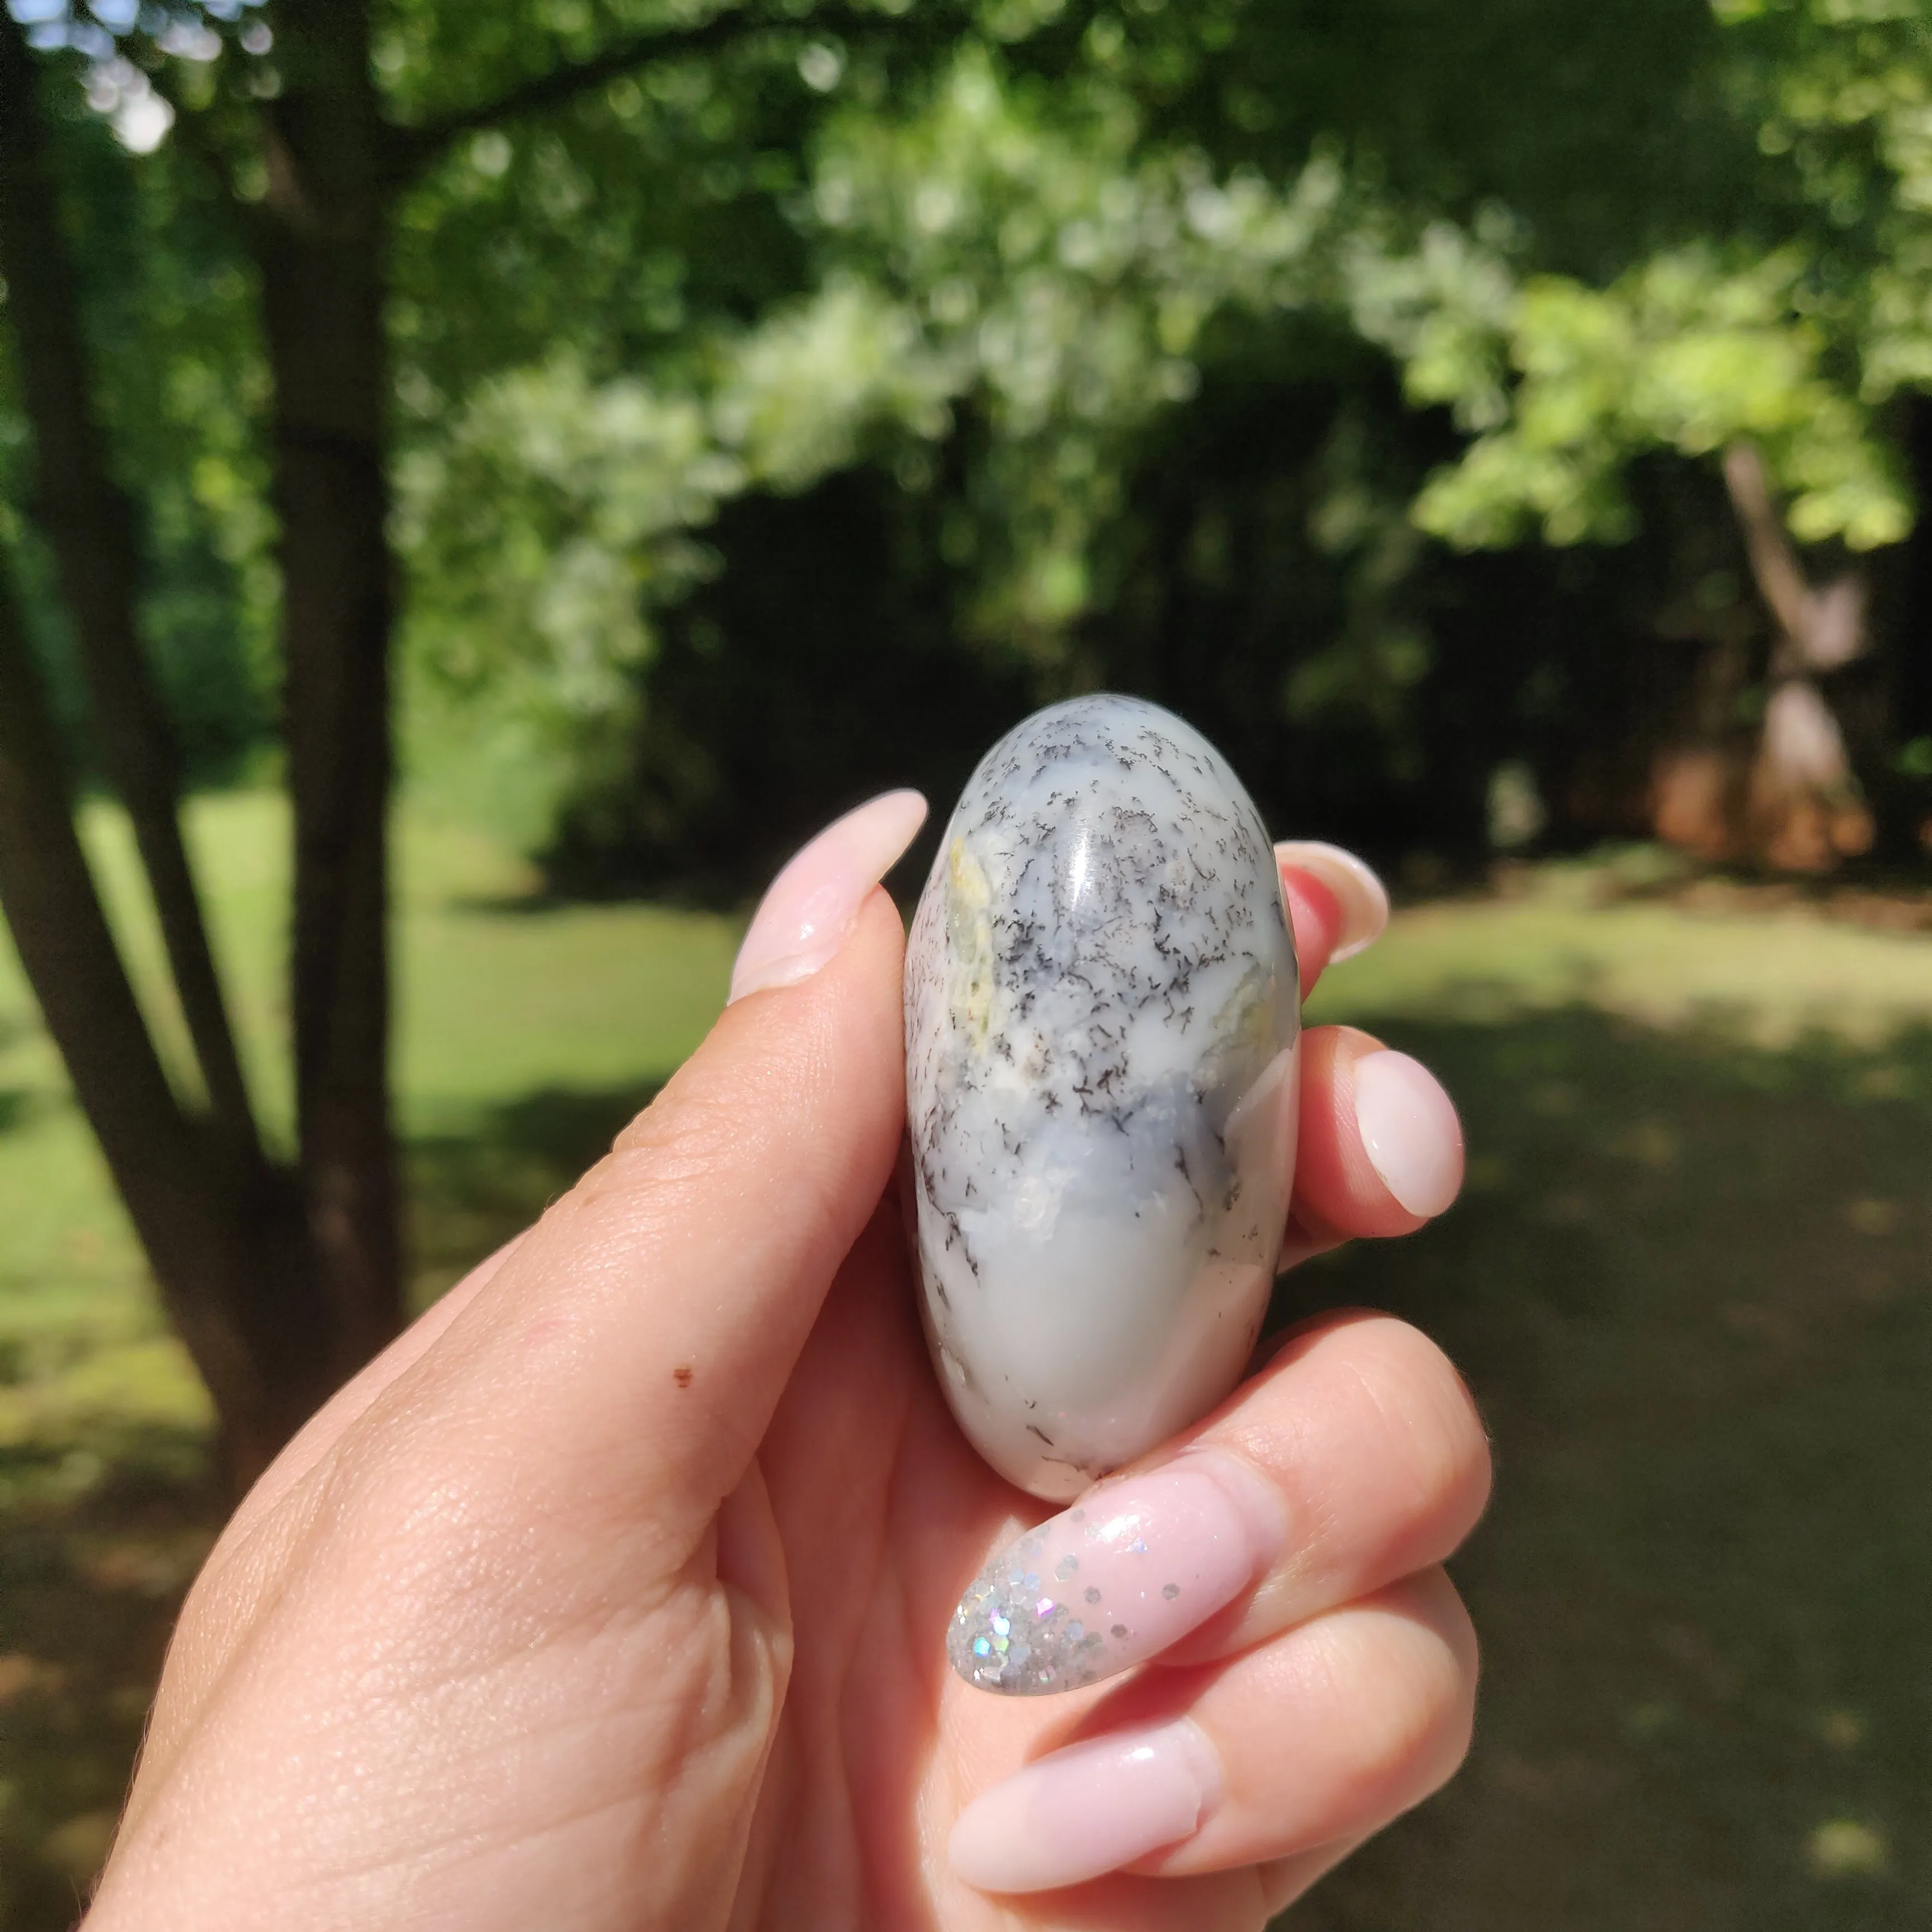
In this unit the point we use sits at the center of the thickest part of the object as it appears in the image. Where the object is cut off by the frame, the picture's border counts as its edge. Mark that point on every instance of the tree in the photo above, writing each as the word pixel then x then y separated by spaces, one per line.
pixel 1129 330
pixel 1793 350
pixel 281 1282
pixel 1022 275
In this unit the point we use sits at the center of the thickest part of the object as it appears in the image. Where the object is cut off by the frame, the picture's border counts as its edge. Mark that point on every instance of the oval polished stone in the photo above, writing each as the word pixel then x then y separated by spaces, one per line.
pixel 1102 1010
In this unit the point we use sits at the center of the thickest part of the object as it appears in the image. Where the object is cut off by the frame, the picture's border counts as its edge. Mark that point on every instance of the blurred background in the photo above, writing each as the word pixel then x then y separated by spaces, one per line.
pixel 1505 429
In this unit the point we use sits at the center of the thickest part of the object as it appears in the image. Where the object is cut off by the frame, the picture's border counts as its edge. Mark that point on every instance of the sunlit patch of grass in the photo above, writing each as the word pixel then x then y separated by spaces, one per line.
pixel 1847 1848
pixel 1774 980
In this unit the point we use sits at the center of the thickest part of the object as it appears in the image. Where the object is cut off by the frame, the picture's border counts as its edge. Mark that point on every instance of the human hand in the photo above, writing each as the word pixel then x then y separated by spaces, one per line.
pixel 617 1594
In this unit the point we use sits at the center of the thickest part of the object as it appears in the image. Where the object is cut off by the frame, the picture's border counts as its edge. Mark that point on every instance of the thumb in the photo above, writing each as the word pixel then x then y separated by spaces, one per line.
pixel 636 1342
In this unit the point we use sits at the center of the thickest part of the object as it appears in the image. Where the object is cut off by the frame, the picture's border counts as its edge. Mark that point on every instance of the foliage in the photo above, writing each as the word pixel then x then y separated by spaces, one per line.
pixel 993 253
pixel 168 297
pixel 1003 261
pixel 1797 335
pixel 1018 281
pixel 1682 353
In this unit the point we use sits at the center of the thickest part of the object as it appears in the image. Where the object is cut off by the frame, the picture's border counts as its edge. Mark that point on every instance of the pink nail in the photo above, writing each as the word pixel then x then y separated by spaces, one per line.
pixel 1130 1569
pixel 1358 891
pixel 1087 1809
pixel 810 907
pixel 1409 1131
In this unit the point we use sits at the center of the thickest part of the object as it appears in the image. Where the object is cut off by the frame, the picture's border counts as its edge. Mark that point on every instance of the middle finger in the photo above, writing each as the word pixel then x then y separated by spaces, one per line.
pixel 1378 1151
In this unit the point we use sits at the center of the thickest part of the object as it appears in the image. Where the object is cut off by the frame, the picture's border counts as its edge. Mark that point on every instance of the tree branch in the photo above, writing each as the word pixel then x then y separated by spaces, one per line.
pixel 216 1235
pixel 59 928
pixel 416 148
pixel 1823 630
pixel 159 1157
pixel 1775 566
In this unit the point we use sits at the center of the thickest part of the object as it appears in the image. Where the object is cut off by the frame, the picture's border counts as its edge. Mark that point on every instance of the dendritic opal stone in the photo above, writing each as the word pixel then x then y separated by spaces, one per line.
pixel 1101 1011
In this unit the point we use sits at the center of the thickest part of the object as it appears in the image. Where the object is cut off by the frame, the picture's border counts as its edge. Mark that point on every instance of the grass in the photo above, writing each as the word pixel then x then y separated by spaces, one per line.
pixel 1691 1284
pixel 1691 1288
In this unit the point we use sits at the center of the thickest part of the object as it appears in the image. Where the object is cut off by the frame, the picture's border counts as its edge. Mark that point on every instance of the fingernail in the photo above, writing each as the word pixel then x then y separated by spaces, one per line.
pixel 1409 1131
pixel 1131 1568
pixel 1360 892
pixel 809 909
pixel 1087 1810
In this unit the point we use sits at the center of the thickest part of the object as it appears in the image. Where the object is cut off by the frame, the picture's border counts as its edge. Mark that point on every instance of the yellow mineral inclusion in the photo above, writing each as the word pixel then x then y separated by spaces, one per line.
pixel 1242 1035
pixel 969 933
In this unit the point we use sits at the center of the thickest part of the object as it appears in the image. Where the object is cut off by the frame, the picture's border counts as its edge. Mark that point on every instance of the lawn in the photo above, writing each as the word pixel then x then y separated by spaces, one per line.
pixel 1691 1284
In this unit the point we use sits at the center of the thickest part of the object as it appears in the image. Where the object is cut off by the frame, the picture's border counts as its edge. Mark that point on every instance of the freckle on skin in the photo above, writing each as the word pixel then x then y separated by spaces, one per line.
pixel 682 1377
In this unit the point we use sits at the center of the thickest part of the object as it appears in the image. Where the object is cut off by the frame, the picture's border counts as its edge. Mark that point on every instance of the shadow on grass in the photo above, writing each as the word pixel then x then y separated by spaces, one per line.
pixel 1691 1286
pixel 98 1540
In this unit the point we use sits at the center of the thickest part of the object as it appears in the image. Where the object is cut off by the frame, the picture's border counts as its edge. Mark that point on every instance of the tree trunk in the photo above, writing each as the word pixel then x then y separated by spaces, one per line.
pixel 221 1235
pixel 281 1291
pixel 220 1226
pixel 321 247
pixel 89 526
pixel 282 1286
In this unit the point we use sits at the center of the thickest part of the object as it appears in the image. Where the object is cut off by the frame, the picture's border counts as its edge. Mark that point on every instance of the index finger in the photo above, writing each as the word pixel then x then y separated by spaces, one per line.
pixel 636 1341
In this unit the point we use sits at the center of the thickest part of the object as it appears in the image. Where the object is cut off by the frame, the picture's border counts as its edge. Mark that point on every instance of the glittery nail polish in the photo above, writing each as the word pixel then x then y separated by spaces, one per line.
pixel 1130 1569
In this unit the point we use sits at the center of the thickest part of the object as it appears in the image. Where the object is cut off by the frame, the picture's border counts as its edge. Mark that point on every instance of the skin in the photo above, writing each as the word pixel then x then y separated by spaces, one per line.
pixel 613 1595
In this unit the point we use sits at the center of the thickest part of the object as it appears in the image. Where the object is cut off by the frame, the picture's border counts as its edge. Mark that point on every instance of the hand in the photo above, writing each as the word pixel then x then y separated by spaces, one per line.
pixel 617 1594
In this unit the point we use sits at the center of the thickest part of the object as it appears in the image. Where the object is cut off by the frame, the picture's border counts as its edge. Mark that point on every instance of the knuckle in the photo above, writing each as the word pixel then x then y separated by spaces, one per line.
pixel 1435 1434
pixel 1427 1661
pixel 1410 1691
